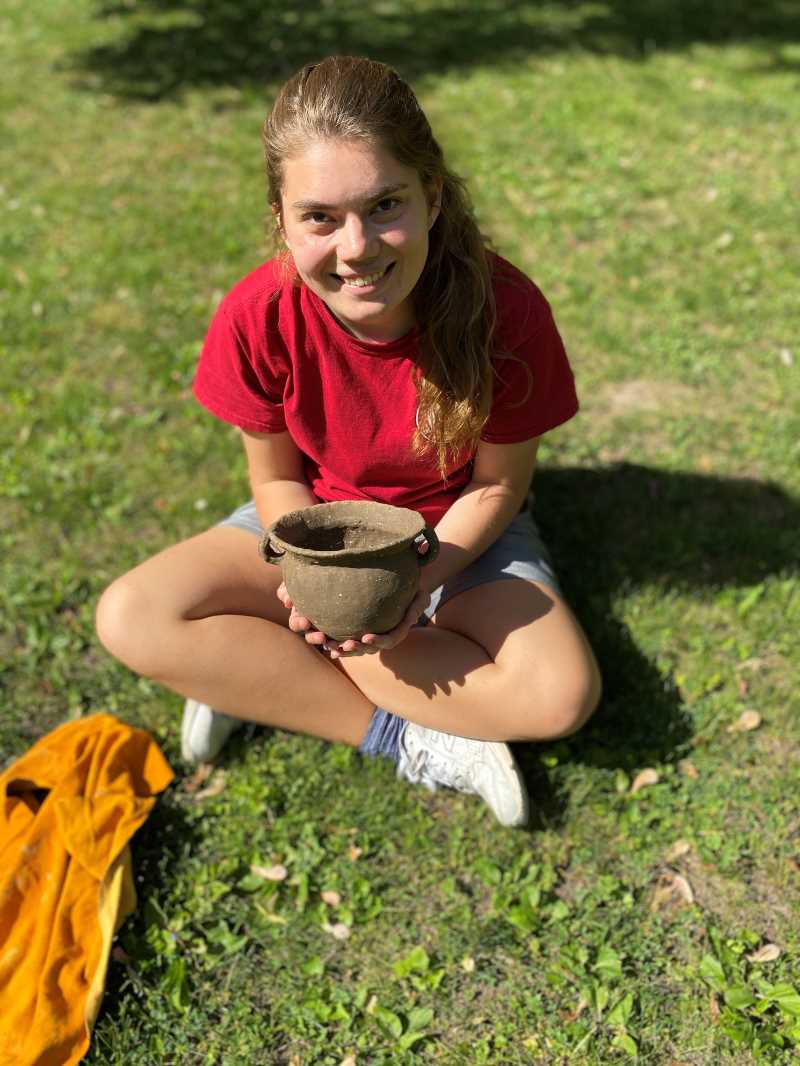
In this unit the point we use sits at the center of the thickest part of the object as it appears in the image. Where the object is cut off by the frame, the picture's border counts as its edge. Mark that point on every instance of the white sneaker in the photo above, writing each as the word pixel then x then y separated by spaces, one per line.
pixel 204 732
pixel 483 767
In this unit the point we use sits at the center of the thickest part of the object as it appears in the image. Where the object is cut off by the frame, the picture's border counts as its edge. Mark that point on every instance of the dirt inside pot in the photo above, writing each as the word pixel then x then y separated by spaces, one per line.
pixel 352 536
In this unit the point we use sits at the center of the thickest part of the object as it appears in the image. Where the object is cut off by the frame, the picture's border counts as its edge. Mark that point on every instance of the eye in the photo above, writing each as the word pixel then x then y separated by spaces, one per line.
pixel 316 218
pixel 389 203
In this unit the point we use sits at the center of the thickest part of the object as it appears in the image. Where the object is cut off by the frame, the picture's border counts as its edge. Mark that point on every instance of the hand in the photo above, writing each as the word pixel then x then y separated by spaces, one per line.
pixel 370 643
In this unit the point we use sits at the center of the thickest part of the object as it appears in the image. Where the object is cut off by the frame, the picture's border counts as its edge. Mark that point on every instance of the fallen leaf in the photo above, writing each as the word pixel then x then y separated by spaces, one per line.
pixel 713 1006
pixel 742 686
pixel 678 849
pixel 373 1003
pixel 682 888
pixel 468 964
pixel 339 931
pixel 688 769
pixel 766 953
pixel 201 774
pixel 671 888
pixel 643 779
pixel 278 872
pixel 333 899
pixel 354 852
pixel 747 721
pixel 119 954
pixel 349 1061
pixel 573 1015
pixel 213 788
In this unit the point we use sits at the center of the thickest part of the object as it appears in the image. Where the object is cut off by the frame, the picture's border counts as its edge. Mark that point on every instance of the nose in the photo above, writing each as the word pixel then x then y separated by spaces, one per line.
pixel 359 239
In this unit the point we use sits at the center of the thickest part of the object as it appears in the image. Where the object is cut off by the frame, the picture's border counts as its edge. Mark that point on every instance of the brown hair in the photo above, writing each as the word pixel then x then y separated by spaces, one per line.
pixel 353 98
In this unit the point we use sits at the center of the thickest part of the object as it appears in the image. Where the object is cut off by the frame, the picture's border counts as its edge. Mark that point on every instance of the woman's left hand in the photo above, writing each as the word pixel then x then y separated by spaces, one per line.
pixel 370 643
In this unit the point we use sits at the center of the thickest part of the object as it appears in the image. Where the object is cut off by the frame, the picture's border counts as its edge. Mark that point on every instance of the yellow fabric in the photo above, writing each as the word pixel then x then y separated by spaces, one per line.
pixel 68 808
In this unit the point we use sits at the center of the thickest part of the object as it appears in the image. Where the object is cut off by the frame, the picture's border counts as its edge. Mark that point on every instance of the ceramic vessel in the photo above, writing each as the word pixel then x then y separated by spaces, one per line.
pixel 351 567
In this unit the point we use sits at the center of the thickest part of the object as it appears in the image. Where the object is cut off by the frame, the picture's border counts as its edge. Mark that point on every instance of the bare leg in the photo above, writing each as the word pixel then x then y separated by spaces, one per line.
pixel 503 661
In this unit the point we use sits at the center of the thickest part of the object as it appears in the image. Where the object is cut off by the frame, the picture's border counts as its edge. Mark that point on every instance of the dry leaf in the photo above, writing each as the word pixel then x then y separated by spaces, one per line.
pixel 277 872
pixel 643 779
pixel 468 964
pixel 678 849
pixel 201 774
pixel 349 1061
pixel 742 686
pixel 373 1003
pixel 333 899
pixel 295 1060
pixel 119 954
pixel 339 931
pixel 354 852
pixel 671 888
pixel 682 888
pixel 766 953
pixel 573 1015
pixel 213 788
pixel 688 769
pixel 746 721
pixel 713 1006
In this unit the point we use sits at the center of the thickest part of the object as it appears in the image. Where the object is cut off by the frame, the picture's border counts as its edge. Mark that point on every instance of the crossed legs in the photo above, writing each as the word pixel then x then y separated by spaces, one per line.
pixel 504 661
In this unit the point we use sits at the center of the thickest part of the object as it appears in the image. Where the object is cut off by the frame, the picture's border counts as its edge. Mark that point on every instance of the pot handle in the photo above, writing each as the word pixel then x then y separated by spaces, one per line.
pixel 428 535
pixel 267 551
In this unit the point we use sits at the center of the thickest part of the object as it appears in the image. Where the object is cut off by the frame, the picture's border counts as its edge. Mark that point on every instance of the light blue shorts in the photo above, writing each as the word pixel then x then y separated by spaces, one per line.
pixel 519 552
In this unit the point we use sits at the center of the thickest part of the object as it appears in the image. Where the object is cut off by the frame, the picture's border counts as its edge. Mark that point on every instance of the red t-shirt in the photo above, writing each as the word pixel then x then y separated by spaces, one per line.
pixel 276 359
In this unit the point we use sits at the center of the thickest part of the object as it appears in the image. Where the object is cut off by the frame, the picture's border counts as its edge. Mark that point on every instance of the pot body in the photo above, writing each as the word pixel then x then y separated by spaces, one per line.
pixel 351 567
pixel 350 600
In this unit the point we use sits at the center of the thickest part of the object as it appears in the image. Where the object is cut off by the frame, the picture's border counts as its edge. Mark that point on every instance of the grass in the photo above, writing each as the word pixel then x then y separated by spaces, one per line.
pixel 643 170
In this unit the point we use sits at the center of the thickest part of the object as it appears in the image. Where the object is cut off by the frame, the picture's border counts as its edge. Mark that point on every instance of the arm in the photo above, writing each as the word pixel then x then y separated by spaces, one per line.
pixel 275 465
pixel 501 477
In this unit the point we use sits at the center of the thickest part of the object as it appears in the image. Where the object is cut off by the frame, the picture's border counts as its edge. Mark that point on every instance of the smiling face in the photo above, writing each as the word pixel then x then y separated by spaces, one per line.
pixel 356 222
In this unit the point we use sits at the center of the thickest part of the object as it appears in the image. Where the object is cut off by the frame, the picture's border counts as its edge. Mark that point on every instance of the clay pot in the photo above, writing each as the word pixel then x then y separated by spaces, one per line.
pixel 351 567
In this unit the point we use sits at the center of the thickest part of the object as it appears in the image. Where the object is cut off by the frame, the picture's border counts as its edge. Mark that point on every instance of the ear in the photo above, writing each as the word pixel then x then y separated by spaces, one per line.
pixel 434 201
pixel 276 211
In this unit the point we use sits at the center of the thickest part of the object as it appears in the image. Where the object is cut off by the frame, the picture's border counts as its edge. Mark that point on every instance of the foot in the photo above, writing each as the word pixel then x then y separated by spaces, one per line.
pixel 205 732
pixel 483 767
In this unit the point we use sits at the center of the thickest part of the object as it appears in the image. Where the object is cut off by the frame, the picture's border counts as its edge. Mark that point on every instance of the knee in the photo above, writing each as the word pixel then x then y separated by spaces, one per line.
pixel 125 625
pixel 564 703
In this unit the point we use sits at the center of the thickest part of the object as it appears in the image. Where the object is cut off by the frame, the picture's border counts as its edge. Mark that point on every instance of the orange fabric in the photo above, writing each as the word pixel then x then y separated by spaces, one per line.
pixel 68 808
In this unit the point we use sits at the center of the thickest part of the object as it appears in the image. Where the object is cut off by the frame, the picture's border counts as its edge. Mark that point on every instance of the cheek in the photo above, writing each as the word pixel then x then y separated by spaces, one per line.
pixel 309 253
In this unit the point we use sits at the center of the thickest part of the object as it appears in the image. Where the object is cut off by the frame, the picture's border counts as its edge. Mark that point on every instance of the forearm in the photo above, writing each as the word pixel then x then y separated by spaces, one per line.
pixel 477 518
pixel 275 498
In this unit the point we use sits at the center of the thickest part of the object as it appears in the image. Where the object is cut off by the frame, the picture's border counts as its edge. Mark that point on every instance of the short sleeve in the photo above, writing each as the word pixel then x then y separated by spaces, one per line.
pixel 534 387
pixel 236 379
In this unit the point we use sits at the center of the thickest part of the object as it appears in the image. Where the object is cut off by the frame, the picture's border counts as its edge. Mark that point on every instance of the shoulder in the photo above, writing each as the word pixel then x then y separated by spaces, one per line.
pixel 522 309
pixel 259 294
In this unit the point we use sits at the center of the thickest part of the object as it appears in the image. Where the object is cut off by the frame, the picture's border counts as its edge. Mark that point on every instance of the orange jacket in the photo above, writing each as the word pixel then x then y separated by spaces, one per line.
pixel 68 808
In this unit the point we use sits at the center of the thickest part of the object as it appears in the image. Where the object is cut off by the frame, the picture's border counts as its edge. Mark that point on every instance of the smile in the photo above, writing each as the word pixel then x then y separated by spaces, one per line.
pixel 363 281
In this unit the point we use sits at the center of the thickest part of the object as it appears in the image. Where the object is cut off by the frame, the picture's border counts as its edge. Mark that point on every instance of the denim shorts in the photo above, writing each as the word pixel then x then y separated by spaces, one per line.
pixel 518 552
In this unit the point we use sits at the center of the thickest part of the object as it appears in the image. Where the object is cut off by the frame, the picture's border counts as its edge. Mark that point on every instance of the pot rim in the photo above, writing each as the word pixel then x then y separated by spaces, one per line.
pixel 414 521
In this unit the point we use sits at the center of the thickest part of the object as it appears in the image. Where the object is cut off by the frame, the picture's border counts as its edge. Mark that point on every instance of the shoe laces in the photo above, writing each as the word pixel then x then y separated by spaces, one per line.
pixel 425 768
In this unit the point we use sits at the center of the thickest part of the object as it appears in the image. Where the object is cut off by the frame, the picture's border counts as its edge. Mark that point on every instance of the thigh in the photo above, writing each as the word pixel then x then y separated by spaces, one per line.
pixel 530 633
pixel 216 572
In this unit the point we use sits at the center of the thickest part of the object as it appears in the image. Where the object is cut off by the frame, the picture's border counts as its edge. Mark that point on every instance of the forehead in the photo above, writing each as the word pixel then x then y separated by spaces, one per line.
pixel 343 173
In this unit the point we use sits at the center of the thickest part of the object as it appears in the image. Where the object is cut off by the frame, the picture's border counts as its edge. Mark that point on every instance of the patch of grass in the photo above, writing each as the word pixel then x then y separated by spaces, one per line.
pixel 643 170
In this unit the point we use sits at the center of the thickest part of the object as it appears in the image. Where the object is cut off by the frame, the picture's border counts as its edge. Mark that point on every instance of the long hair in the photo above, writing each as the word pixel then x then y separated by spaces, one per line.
pixel 352 98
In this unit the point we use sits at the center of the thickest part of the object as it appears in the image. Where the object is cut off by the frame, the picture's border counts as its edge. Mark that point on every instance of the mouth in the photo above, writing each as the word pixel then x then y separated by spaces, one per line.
pixel 364 282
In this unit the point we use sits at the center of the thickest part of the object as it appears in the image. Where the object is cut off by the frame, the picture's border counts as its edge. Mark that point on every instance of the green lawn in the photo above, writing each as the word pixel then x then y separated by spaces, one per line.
pixel 642 162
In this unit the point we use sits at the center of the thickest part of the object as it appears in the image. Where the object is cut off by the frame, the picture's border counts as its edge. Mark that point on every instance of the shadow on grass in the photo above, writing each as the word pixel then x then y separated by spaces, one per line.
pixel 617 528
pixel 165 46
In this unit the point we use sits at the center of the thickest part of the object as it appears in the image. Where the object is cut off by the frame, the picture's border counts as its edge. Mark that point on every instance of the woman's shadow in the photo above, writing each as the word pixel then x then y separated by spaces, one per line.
pixel 613 529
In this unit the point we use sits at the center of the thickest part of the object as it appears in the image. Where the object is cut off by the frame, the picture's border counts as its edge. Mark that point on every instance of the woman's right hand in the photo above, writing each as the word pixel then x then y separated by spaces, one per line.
pixel 370 644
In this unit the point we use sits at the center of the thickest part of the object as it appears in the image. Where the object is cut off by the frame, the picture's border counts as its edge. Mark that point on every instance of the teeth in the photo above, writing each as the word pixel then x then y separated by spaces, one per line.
pixel 364 280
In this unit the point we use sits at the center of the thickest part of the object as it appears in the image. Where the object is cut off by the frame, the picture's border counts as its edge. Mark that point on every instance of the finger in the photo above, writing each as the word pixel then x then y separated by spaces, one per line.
pixel 298 623
pixel 316 638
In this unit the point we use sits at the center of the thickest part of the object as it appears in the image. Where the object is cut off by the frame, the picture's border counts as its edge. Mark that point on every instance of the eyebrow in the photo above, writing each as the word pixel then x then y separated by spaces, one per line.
pixel 381 194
